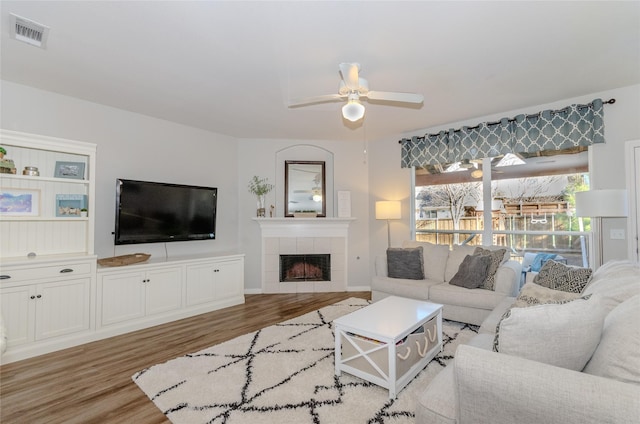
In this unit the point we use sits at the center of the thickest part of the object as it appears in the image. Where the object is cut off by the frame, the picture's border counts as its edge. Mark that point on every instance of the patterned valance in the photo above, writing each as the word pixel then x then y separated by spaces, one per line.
pixel 575 125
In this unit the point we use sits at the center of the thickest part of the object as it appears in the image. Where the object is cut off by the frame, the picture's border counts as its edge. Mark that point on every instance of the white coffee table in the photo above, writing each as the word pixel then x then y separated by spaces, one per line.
pixel 388 342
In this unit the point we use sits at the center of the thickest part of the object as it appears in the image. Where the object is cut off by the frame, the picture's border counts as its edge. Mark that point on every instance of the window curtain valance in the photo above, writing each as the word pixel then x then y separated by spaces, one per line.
pixel 575 125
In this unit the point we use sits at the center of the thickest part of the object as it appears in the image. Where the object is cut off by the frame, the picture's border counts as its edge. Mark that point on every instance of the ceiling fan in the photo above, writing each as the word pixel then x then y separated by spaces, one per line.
pixel 353 88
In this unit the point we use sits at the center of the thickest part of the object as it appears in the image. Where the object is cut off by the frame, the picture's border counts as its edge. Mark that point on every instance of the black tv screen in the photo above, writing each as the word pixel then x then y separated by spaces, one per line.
pixel 151 212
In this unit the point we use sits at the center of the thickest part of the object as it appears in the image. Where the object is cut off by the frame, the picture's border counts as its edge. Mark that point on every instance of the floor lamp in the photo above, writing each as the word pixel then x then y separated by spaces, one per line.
pixel 388 209
pixel 600 204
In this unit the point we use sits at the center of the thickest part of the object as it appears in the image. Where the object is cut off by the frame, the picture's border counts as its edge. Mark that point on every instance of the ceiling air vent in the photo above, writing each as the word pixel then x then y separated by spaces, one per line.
pixel 28 31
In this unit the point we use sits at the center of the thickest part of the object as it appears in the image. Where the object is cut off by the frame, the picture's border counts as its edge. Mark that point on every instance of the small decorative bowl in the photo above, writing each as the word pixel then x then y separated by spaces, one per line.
pixel 31 170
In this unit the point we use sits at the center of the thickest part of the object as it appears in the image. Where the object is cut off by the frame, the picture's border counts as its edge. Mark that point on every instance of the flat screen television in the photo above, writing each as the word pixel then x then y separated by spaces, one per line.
pixel 153 212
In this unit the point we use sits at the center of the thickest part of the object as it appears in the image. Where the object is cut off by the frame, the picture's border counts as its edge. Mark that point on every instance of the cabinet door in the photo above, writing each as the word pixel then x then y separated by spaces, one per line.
pixel 229 279
pixel 201 284
pixel 121 297
pixel 18 310
pixel 62 308
pixel 163 290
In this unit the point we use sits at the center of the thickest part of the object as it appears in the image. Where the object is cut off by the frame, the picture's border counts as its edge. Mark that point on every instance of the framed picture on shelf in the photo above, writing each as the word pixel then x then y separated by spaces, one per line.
pixel 19 202
pixel 73 170
pixel 70 205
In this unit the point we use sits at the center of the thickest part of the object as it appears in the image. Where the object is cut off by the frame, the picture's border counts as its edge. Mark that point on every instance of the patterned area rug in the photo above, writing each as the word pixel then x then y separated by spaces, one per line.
pixel 284 374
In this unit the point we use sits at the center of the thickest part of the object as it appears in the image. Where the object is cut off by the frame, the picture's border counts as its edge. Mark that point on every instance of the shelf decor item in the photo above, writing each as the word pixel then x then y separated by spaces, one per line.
pixel 70 205
pixel 123 260
pixel 31 171
pixel 73 170
pixel 19 202
pixel 260 187
pixel 6 165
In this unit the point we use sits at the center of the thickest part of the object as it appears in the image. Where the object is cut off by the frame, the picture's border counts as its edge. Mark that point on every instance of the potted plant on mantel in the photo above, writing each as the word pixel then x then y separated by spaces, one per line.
pixel 260 187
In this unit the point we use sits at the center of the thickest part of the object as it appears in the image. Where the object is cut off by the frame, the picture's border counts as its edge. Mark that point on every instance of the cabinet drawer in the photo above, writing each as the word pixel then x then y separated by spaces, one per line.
pixel 23 274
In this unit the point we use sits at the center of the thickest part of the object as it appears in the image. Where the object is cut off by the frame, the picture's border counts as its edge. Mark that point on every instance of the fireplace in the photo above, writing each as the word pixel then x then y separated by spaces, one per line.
pixel 307 267
pixel 304 236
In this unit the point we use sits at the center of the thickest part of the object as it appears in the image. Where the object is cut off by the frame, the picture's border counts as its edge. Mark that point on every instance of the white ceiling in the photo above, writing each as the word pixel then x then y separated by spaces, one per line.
pixel 231 67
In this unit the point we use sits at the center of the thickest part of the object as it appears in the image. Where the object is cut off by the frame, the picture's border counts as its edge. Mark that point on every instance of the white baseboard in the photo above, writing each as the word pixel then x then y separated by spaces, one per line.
pixel 252 291
pixel 358 288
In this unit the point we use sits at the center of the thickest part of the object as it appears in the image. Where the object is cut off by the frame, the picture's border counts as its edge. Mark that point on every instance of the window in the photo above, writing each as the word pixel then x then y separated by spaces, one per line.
pixel 530 200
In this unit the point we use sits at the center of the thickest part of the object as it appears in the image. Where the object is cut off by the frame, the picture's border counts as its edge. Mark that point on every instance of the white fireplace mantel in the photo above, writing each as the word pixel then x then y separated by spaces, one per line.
pixel 304 227
pixel 304 235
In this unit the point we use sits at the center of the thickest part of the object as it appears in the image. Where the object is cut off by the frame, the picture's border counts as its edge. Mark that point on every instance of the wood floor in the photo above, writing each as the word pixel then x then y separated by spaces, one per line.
pixel 92 383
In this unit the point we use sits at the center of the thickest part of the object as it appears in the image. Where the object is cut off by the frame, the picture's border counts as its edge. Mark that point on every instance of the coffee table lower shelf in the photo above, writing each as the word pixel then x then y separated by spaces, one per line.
pixel 389 362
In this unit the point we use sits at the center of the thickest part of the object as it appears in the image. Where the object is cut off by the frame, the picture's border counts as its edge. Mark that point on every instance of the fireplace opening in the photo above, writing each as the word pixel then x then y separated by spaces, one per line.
pixel 315 267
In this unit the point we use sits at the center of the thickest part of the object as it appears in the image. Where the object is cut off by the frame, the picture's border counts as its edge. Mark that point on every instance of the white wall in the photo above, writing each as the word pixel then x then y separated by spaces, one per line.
pixel 350 170
pixel 137 146
pixel 134 146
pixel 388 181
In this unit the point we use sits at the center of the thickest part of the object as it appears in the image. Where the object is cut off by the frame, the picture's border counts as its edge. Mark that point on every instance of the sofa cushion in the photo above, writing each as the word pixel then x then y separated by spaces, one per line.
pixel 540 259
pixel 497 258
pixel 534 294
pixel 447 294
pixel 490 323
pixel 413 289
pixel 472 272
pixel 455 258
pixel 438 402
pixel 557 276
pixel 615 269
pixel 615 282
pixel 618 354
pixel 405 263
pixel 434 258
pixel 564 335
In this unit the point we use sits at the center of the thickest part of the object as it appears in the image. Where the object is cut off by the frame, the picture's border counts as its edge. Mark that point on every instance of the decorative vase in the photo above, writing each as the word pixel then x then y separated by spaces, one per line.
pixel 260 213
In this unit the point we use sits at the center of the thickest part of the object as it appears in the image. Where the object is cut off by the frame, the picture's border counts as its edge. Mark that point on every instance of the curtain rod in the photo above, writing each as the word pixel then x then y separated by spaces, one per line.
pixel 608 102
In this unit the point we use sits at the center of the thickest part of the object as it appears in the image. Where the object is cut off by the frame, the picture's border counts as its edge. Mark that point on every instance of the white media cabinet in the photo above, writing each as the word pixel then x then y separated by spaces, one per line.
pixel 52 293
pixel 156 292
pixel 55 303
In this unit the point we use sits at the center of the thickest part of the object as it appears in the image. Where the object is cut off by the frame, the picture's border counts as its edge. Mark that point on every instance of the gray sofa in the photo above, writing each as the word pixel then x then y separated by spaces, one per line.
pixel 484 386
pixel 472 306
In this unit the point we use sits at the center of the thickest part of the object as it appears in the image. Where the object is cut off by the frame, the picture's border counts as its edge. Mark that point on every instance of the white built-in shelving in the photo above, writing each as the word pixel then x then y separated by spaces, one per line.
pixel 45 232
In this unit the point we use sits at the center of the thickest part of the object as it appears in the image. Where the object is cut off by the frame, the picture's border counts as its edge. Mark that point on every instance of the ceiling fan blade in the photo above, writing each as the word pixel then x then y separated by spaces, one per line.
pixel 395 97
pixel 349 73
pixel 317 99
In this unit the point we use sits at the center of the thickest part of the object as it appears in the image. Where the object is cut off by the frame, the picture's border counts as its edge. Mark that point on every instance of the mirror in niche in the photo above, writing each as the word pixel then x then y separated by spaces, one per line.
pixel 304 188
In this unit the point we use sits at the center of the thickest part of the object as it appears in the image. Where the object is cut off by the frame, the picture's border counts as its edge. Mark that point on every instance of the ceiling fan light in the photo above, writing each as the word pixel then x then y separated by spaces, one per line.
pixel 353 110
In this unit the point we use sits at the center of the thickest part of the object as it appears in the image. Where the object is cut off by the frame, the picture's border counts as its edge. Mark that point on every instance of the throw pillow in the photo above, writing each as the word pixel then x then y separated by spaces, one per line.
pixel 618 354
pixel 405 263
pixel 434 258
pixel 564 335
pixel 456 256
pixel 534 294
pixel 472 272
pixel 540 259
pixel 557 276
pixel 497 256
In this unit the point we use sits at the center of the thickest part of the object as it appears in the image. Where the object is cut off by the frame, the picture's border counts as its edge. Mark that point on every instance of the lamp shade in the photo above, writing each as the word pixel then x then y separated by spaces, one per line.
pixel 388 209
pixel 353 110
pixel 602 203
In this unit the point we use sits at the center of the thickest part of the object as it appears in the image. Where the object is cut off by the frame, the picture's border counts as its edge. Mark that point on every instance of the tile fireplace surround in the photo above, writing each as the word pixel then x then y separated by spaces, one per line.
pixel 290 236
